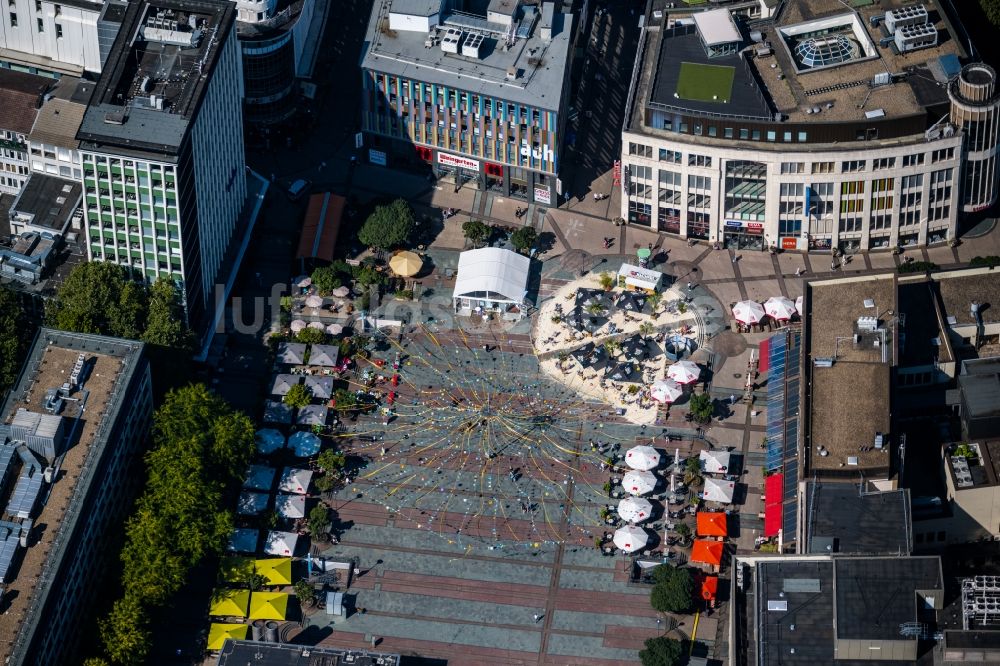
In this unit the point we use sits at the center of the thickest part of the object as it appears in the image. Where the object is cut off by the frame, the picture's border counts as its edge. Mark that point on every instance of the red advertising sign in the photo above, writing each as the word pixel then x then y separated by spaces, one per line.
pixel 618 172
pixel 789 243
pixel 458 161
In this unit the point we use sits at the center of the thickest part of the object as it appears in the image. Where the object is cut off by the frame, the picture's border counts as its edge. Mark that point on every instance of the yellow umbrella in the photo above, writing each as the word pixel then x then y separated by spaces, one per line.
pixel 406 264
pixel 268 606
pixel 219 633
pixel 277 570
pixel 229 603
pixel 236 569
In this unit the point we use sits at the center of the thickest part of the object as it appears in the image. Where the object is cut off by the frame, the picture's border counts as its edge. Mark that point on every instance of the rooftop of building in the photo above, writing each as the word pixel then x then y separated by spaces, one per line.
pixel 980 395
pixel 922 338
pixel 972 639
pixel 112 363
pixel 48 201
pixel 22 96
pixel 979 470
pixel 800 600
pixel 62 112
pixel 959 289
pixel 777 82
pixel 281 20
pixel 537 64
pixel 156 74
pixel 849 372
pixel 846 518
pixel 238 653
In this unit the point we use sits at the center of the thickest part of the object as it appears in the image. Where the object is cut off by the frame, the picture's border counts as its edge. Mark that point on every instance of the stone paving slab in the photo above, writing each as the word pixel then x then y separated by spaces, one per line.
pixel 595 582
pixel 569 646
pixel 571 620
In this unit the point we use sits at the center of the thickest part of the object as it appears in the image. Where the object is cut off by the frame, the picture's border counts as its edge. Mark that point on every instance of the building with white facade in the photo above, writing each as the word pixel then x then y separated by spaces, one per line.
pixel 21 95
pixel 56 38
pixel 161 146
pixel 280 42
pixel 815 130
pixel 53 148
pixel 479 97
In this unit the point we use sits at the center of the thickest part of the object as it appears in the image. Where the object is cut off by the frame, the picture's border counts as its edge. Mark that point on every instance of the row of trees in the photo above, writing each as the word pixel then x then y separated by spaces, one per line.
pixel 13 339
pixel 200 450
pixel 523 238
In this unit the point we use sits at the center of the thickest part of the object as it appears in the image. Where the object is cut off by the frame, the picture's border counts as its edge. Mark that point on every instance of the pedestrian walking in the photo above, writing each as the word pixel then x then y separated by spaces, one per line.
pixel 798 271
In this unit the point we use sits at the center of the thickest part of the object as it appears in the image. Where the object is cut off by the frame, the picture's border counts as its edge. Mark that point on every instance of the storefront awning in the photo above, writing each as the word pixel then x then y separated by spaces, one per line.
pixel 772 505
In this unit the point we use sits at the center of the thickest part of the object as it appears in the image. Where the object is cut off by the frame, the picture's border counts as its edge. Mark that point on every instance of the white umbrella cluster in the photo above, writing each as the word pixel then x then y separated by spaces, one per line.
pixel 631 538
pixel 642 458
pixel 684 372
pixel 749 312
pixel 635 509
pixel 639 482
pixel 666 390
pixel 779 308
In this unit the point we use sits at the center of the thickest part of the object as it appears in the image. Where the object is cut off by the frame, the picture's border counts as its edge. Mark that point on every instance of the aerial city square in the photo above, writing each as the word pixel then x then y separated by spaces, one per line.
pixel 499 332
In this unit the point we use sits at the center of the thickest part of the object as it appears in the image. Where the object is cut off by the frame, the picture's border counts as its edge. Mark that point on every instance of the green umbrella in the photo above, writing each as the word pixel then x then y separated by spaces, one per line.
pixel 644 253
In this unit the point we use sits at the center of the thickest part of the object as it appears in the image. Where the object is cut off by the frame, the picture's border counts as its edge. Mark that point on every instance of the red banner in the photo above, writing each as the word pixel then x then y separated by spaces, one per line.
pixel 618 173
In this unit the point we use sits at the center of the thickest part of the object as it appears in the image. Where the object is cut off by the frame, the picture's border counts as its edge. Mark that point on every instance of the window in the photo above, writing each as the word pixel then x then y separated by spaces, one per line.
pixel 643 172
pixel 909 182
pixel 792 167
pixel 38 5
pixel 13 20
pixel 699 182
pixel 883 163
pixel 913 160
pixel 786 137
pixel 58 31
pixel 850 224
pixel 744 133
pixel 789 227
pixel 942 154
pixel 640 150
pixel 672 156
pixel 699 160
pixel 822 167
pixel 803 137
pixel 728 132
pixel 771 135
pixel 41 25
pixel 713 130
pixel 852 166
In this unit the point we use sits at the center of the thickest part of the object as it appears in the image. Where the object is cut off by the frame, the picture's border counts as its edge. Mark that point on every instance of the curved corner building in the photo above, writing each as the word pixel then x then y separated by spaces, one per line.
pixel 279 41
pixel 809 125
pixel 975 108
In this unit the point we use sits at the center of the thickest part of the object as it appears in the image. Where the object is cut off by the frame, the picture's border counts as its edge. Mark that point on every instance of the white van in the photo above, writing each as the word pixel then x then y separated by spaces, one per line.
pixel 297 189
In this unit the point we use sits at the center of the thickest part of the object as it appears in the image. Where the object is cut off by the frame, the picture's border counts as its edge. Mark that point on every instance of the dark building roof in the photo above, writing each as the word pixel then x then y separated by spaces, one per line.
pixel 49 201
pixel 805 590
pixel 22 96
pixel 875 595
pixel 848 520
pixel 981 395
pixel 140 68
pixel 239 653
pixel 921 340
pixel 972 639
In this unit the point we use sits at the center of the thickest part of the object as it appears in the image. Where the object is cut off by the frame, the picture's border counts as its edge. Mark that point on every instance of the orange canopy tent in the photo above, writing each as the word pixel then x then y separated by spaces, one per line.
pixel 709 588
pixel 707 552
pixel 712 523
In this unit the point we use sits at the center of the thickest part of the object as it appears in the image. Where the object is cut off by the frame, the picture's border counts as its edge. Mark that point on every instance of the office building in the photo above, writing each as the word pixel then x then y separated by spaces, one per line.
pixel 52 143
pixel 279 41
pixel 21 96
pixel 823 609
pixel 56 38
pixel 161 145
pixel 71 426
pixel 481 98
pixel 819 127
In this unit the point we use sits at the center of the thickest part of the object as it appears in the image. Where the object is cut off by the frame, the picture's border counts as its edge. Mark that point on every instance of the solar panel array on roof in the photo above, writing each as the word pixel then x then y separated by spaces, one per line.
pixel 6 463
pixel 26 492
pixel 9 535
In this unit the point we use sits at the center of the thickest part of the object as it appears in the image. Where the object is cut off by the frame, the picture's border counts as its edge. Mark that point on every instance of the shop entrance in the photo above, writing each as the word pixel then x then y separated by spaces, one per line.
pixel 739 237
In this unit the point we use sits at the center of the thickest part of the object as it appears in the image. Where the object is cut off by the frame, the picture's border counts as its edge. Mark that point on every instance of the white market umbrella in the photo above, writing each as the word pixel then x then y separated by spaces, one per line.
pixel 281 543
pixel 638 482
pixel 642 457
pixel 717 490
pixel 779 308
pixel 798 305
pixel 684 372
pixel 334 329
pixel 318 325
pixel 634 509
pixel 666 390
pixel 631 538
pixel 295 481
pixel 269 440
pixel 748 312
pixel 291 506
pixel 314 301
pixel 302 281
pixel 340 292
pixel 297 325
pixel 304 444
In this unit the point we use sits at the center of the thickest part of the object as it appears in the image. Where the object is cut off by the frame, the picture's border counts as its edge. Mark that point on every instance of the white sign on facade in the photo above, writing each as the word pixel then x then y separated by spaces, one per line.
pixel 359 140
pixel 376 157
pixel 457 161
pixel 542 195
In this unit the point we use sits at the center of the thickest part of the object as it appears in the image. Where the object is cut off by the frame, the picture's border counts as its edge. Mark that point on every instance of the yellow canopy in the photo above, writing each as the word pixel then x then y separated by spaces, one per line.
pixel 218 633
pixel 229 603
pixel 236 569
pixel 268 606
pixel 406 264
pixel 277 570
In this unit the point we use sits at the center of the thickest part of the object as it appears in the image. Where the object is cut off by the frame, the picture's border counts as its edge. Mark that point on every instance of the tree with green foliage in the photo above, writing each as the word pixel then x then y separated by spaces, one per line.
pixel 606 280
pixel 14 339
pixel 311 336
pixel 367 275
pixel 319 519
pixel 701 407
pixel 990 261
pixel 661 651
pixel 102 298
pixel 298 396
pixel 673 590
pixel 476 231
pixel 345 400
pixel 523 238
pixel 200 449
pixel 125 632
pixel 95 661
pixel 683 531
pixel 389 226
pixel 992 10
pixel 326 279
pixel 917 267
pixel 331 460
pixel 164 324
pixel 305 592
